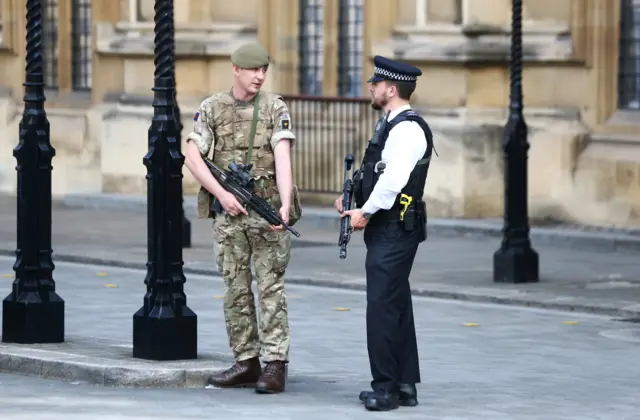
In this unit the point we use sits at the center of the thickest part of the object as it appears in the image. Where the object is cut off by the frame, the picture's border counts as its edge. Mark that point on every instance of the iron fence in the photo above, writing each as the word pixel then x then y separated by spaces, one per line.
pixel 50 43
pixel 629 70
pixel 81 45
pixel 327 129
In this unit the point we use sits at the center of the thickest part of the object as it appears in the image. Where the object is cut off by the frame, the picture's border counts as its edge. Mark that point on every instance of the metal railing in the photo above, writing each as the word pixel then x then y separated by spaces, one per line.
pixel 629 70
pixel 327 129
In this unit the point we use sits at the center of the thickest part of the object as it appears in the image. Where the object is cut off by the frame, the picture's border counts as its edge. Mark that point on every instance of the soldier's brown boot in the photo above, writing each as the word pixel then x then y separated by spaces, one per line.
pixel 243 374
pixel 273 379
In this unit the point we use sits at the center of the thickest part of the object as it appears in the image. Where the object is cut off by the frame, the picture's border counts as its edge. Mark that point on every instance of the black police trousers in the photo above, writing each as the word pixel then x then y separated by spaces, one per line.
pixel 391 335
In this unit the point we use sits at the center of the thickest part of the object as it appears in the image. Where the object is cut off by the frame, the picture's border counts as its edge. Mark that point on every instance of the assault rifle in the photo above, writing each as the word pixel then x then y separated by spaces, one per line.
pixel 239 182
pixel 347 198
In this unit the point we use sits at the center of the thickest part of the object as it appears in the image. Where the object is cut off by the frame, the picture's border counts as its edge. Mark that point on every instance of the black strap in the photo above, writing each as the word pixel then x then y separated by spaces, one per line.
pixel 254 122
pixel 411 115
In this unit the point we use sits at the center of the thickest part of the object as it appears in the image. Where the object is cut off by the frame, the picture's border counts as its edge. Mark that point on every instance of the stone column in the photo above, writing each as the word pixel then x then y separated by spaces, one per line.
pixel 486 12
pixel 2 24
pixel 278 32
pixel 144 10
pixel 421 13
pixel 443 12
pixel 379 22
pixel 64 46
pixel 11 25
pixel 595 31
pixel 108 70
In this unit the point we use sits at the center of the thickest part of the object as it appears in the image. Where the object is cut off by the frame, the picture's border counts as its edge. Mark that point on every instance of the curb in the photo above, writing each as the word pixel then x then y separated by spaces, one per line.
pixel 437 293
pixel 73 361
pixel 567 235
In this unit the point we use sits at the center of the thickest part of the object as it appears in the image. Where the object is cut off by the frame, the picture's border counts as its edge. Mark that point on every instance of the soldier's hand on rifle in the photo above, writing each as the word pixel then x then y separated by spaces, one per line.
pixel 284 215
pixel 231 205
pixel 338 203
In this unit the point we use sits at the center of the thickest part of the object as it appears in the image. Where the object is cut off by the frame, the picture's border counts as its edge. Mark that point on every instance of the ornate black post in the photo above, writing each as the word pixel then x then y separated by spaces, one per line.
pixel 33 312
pixel 516 261
pixel 186 224
pixel 165 328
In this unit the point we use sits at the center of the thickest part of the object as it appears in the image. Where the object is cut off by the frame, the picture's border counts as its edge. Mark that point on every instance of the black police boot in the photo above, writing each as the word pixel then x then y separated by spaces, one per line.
pixel 407 395
pixel 382 401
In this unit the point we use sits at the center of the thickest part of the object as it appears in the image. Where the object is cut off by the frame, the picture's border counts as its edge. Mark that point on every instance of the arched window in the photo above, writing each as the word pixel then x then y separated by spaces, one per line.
pixel 311 47
pixel 629 70
pixel 350 44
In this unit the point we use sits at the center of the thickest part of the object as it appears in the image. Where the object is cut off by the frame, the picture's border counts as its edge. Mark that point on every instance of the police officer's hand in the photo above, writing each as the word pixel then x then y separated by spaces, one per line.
pixel 358 222
pixel 338 203
pixel 284 215
pixel 231 205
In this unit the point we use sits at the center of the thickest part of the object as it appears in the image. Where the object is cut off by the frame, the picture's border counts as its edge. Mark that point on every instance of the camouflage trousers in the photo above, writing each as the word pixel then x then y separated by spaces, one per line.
pixel 238 239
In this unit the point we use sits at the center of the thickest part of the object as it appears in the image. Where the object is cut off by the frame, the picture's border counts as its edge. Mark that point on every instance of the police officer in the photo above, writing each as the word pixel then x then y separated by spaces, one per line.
pixel 388 192
pixel 248 125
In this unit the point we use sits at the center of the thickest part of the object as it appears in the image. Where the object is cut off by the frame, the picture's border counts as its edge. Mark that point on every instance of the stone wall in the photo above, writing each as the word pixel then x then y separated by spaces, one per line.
pixel 584 160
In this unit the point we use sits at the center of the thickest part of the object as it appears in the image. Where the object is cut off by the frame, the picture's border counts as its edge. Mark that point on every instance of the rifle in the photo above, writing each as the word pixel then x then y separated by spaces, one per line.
pixel 347 197
pixel 239 182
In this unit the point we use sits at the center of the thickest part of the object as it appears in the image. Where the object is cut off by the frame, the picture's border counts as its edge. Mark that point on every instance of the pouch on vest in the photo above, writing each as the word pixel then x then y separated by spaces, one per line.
pixel 421 220
pixel 357 191
pixel 368 180
pixel 208 206
pixel 295 212
pixel 409 219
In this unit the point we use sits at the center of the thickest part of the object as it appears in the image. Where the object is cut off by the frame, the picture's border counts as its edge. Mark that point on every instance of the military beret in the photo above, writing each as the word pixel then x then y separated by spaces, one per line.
pixel 387 69
pixel 250 56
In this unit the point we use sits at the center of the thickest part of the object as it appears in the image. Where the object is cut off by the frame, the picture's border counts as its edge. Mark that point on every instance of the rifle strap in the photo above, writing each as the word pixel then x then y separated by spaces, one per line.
pixel 254 123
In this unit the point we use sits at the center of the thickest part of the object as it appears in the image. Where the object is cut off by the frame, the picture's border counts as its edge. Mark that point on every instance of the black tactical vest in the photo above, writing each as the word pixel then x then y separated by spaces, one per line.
pixel 371 167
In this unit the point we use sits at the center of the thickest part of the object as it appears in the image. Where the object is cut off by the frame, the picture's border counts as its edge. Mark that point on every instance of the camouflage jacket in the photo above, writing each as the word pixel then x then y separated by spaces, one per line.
pixel 221 130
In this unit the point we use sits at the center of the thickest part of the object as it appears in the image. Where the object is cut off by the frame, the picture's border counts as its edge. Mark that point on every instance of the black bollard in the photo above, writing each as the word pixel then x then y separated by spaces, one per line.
pixel 516 261
pixel 186 224
pixel 33 312
pixel 165 328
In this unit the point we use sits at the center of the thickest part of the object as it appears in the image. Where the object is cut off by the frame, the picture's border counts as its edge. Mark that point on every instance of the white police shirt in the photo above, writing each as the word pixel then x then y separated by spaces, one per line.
pixel 404 147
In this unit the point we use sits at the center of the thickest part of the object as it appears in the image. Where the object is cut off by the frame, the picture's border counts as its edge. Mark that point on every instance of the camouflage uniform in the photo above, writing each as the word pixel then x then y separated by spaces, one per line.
pixel 222 127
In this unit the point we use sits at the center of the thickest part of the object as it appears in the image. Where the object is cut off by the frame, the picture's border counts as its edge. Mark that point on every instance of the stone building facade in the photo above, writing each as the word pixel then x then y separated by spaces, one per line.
pixel 581 88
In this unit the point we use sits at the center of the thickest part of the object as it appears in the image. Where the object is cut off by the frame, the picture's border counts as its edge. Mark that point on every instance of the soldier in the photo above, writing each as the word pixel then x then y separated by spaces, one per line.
pixel 388 192
pixel 246 125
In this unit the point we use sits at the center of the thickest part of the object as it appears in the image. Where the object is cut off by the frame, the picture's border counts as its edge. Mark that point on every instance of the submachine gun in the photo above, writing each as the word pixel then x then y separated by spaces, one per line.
pixel 347 198
pixel 239 182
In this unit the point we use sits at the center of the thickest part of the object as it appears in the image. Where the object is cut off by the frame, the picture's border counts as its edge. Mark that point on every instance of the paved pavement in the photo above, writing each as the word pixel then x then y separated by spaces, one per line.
pixel 602 281
pixel 478 361
pixel 543 231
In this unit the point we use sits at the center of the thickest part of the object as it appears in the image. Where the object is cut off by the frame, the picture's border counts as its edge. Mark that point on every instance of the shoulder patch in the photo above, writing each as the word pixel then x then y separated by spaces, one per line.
pixel 285 122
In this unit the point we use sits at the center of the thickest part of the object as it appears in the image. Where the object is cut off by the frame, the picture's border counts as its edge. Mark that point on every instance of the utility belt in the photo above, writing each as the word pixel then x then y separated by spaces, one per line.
pixel 411 213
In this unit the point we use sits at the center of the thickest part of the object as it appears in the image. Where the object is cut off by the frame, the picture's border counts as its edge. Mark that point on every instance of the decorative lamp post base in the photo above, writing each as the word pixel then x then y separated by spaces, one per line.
pixel 515 265
pixel 29 320
pixel 162 335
